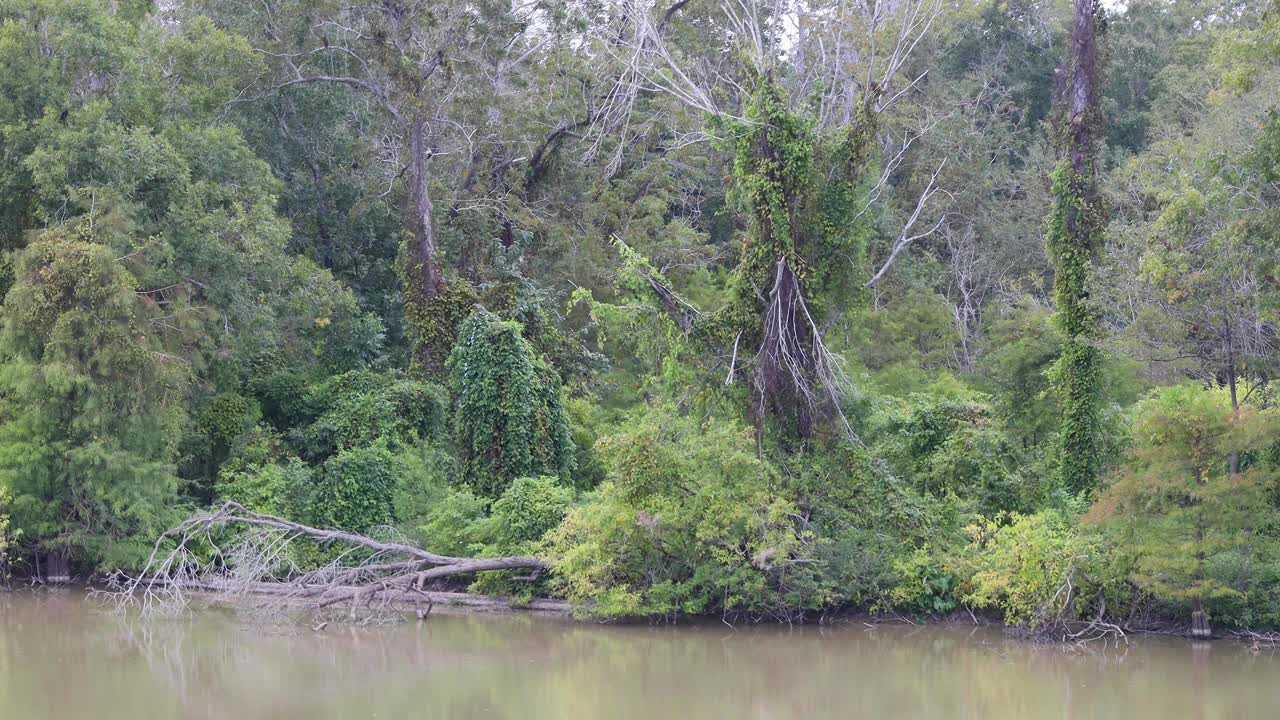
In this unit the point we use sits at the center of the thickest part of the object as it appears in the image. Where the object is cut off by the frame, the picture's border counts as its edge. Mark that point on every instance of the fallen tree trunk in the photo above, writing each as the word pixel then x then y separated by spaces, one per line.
pixel 406 597
pixel 235 551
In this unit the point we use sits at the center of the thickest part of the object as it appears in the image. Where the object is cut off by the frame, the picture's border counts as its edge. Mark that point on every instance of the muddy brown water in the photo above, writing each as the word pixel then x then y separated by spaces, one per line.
pixel 60 659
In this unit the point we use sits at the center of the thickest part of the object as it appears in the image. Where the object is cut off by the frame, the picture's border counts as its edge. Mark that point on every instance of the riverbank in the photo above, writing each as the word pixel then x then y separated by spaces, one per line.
pixel 423 602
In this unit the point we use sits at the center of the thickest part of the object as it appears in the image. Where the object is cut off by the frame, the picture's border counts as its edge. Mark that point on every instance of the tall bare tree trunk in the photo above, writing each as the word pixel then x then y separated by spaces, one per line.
pixel 1235 396
pixel 422 274
pixel 1199 618
pixel 1082 102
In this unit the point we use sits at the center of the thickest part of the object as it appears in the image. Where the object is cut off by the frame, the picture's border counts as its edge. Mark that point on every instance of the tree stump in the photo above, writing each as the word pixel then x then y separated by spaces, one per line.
pixel 57 568
pixel 1200 625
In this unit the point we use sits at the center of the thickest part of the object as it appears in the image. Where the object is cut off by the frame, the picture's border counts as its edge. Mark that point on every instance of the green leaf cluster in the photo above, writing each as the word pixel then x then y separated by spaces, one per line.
pixel 509 419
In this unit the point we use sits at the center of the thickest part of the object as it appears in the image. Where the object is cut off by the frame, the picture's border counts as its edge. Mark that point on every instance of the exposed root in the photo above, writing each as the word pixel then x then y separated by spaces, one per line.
pixel 1055 621
pixel 793 367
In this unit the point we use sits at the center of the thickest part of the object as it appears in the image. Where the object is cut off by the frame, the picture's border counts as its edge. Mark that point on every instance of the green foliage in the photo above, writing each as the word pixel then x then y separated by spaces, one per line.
pixel 1031 37
pixel 262 475
pixel 1178 508
pixel 773 162
pixel 461 523
pixel 527 510
pixel 214 290
pixel 956 447
pixel 456 525
pixel 355 489
pixel 1025 346
pixel 281 391
pixel 509 420
pixel 364 451
pixel 362 407
pixel 208 440
pixel 867 520
pixel 226 416
pixel 8 537
pixel 1076 377
pixel 276 489
pixel 690 521
pixel 924 586
pixel 432 319
pixel 1036 568
pixel 92 405
pixel 584 423
pixel 147 263
pixel 801 189
pixel 904 342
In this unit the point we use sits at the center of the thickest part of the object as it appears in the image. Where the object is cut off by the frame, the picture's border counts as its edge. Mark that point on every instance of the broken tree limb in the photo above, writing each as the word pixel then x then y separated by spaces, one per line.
pixel 684 313
pixel 372 576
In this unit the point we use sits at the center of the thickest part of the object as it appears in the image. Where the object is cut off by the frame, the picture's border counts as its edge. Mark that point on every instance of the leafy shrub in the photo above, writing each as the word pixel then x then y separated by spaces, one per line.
pixel 691 520
pixel 273 489
pixel 208 441
pixel 1022 568
pixel 281 392
pixel 951 446
pixel 1257 605
pixel 354 489
pixel 924 585
pixel 428 471
pixel 263 475
pixel 226 416
pixel 866 519
pixel 529 509
pixel 1024 345
pixel 8 536
pixel 902 344
pixel 456 524
pixel 364 407
pixel 588 470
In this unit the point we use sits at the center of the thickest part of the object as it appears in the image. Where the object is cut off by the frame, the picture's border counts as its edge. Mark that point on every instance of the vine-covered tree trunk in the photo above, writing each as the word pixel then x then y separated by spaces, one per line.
pixel 1074 236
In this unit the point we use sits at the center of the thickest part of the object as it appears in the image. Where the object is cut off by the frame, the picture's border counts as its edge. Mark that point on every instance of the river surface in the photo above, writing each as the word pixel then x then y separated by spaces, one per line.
pixel 60 659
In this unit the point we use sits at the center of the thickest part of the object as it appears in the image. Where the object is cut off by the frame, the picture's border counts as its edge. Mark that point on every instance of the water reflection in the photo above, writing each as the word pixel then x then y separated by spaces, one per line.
pixel 60 659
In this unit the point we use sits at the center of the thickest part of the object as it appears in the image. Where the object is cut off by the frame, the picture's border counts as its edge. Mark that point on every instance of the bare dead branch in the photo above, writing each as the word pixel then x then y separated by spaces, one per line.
pixel 904 239
pixel 373 576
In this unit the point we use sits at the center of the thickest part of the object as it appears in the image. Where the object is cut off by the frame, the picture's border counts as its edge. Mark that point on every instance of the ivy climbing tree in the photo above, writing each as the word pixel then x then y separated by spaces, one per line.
pixel 509 422
pixel 1074 236
pixel 802 150
pixel 799 189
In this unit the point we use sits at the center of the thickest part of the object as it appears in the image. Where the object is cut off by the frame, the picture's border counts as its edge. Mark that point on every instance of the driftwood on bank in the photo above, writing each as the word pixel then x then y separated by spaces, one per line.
pixel 233 551
pixel 414 599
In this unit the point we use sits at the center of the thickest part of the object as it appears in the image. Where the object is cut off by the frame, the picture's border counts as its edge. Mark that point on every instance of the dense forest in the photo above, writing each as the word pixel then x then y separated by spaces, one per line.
pixel 763 309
